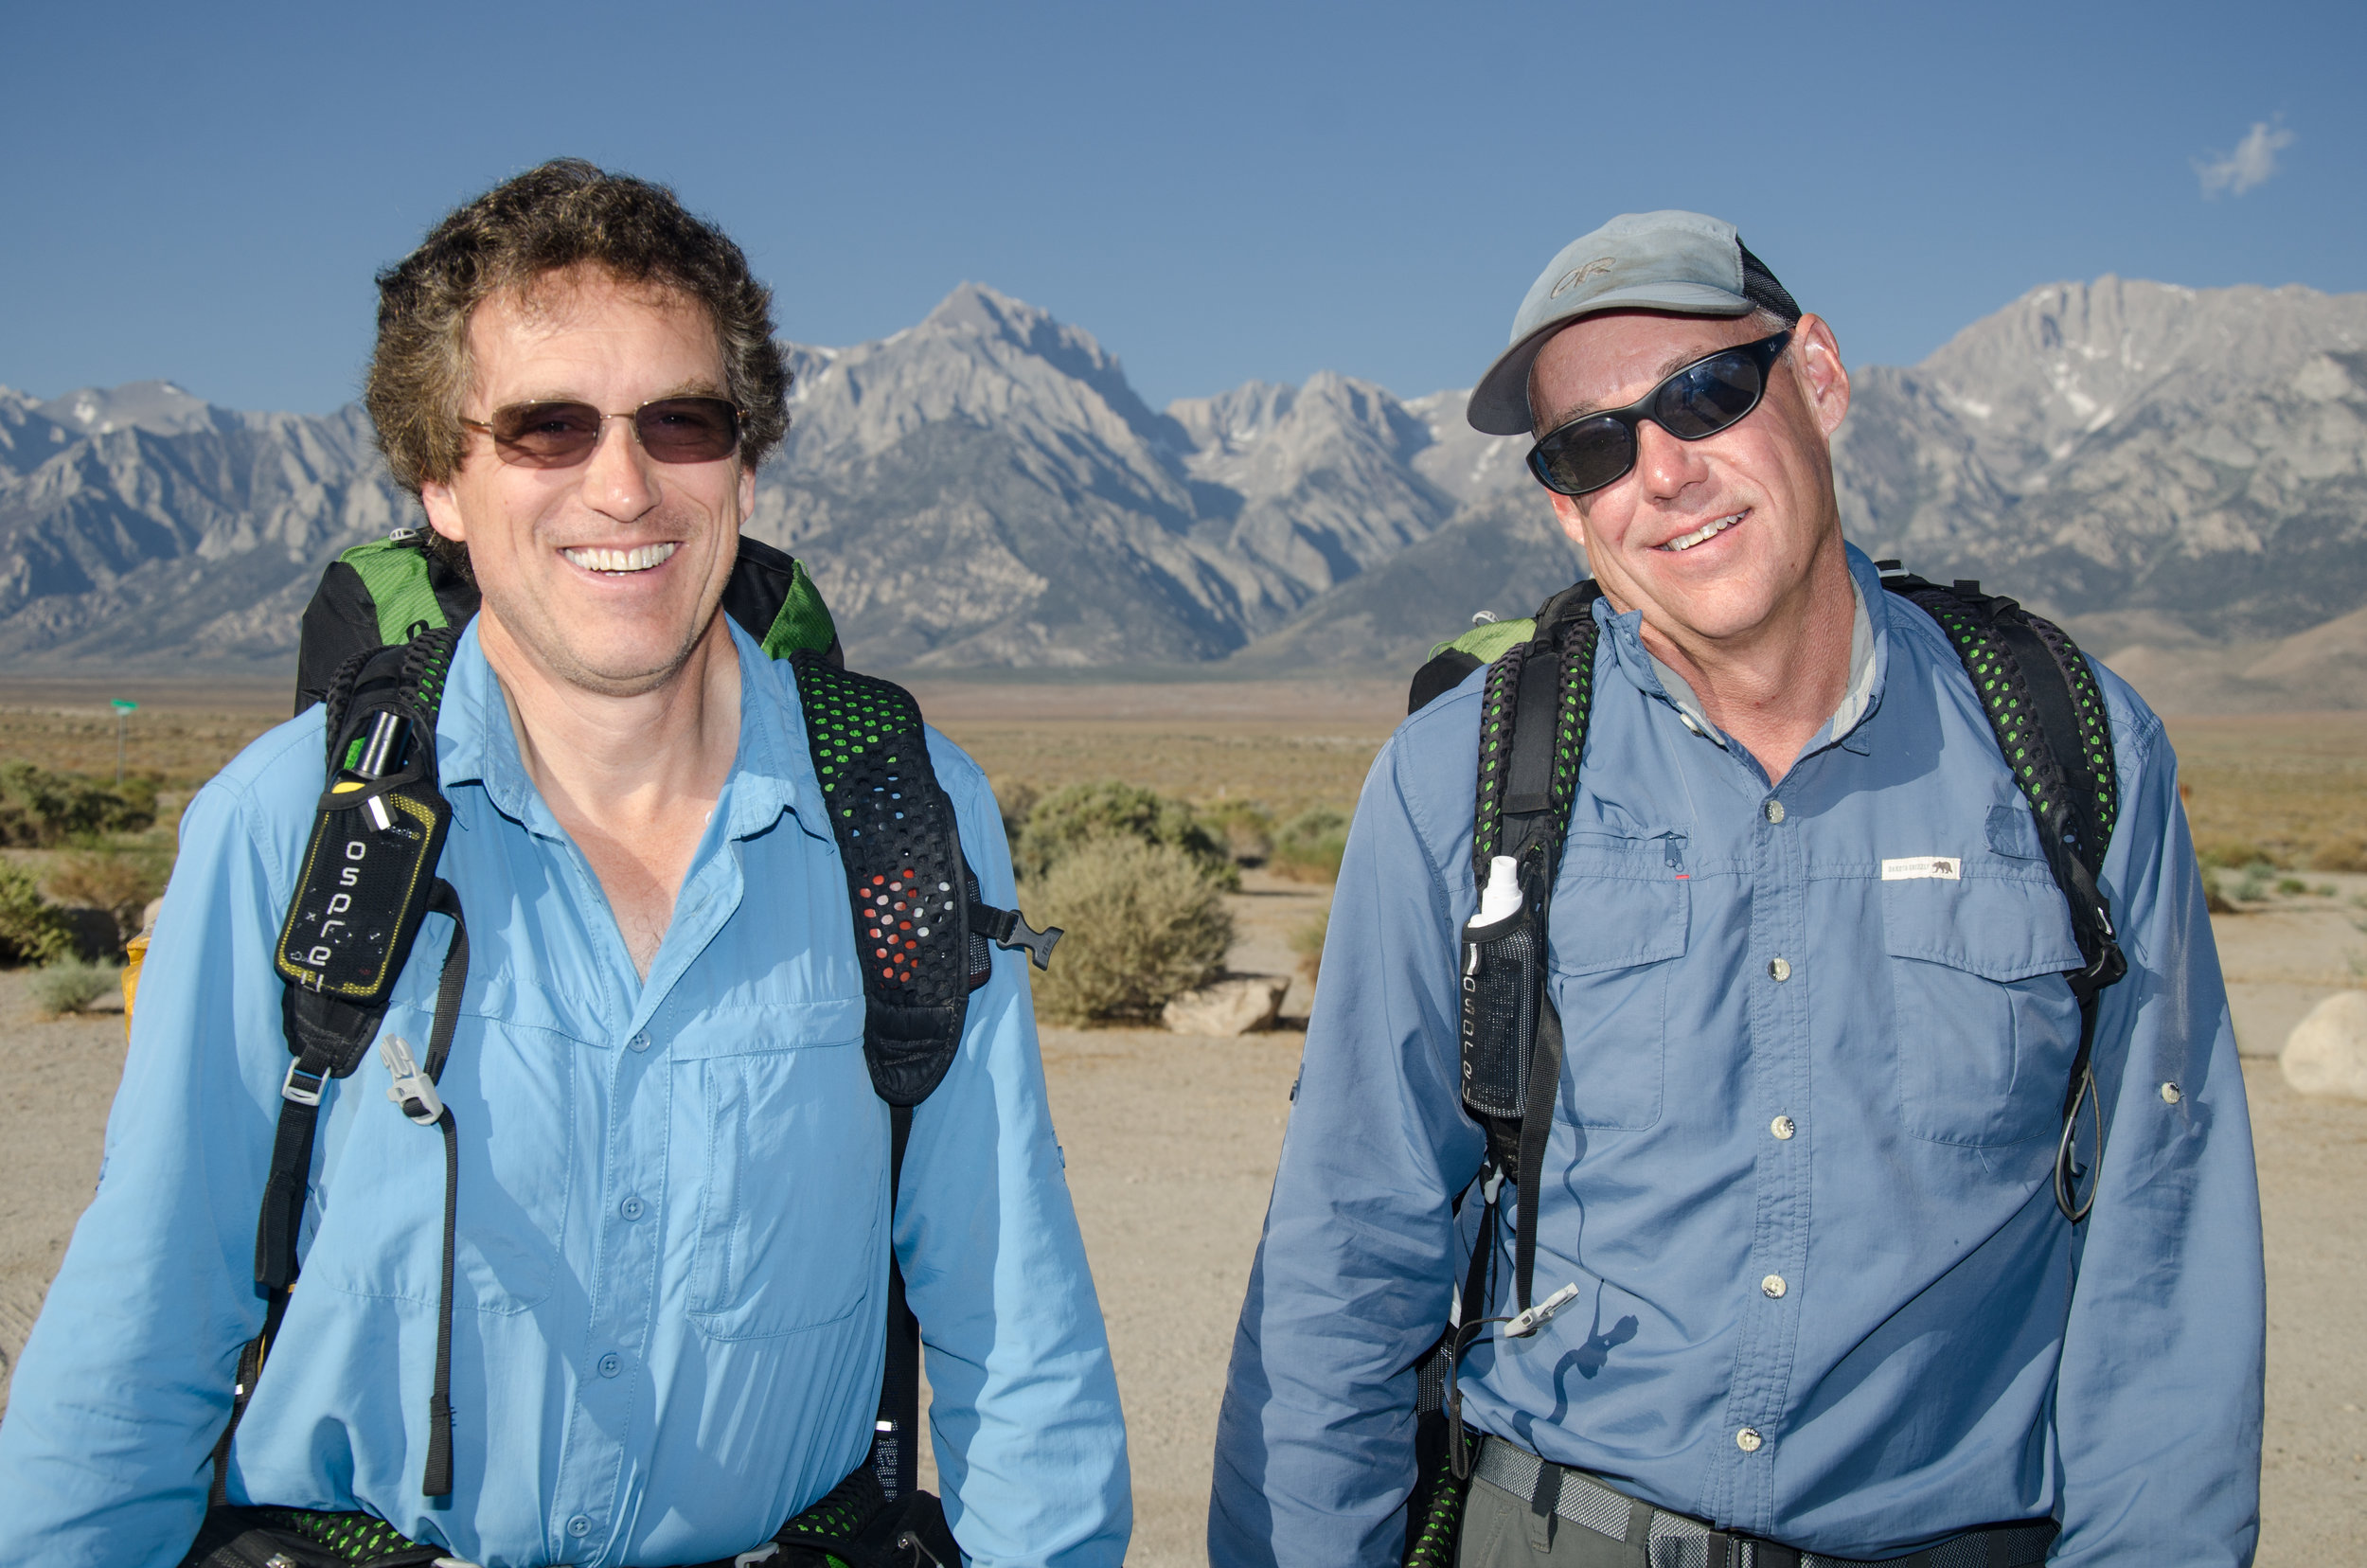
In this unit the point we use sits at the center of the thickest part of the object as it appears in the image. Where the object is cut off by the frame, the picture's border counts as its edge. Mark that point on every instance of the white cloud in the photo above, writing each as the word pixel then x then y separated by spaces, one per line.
pixel 2252 163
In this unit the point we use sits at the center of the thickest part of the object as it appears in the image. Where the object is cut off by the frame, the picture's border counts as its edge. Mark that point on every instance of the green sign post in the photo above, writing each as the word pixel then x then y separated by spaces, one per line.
pixel 123 706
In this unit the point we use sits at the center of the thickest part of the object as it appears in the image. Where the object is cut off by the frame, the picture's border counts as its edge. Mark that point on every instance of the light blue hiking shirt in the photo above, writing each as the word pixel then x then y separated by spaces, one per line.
pixel 673 1207
pixel 1801 1161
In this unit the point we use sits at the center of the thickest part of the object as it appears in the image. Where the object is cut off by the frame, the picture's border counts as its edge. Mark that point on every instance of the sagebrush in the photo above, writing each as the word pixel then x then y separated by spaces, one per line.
pixel 40 809
pixel 119 880
pixel 31 930
pixel 70 985
pixel 1144 922
pixel 1310 845
pixel 1064 821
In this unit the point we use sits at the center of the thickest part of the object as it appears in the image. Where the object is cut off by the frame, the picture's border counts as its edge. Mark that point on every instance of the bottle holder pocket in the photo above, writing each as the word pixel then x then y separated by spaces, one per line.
pixel 1503 974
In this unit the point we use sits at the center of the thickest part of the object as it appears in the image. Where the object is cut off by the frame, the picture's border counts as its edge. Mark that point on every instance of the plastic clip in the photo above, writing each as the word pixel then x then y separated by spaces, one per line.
pixel 765 1552
pixel 1521 1325
pixel 302 1094
pixel 412 1088
pixel 1008 930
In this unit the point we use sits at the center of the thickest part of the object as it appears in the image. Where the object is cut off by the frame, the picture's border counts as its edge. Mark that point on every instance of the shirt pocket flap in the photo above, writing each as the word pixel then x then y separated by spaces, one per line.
pixel 1998 927
pixel 1619 903
pixel 778 1027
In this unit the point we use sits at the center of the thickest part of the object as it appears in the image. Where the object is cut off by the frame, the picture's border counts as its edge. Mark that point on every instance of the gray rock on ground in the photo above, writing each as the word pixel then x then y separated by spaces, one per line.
pixel 1235 1007
pixel 2326 1052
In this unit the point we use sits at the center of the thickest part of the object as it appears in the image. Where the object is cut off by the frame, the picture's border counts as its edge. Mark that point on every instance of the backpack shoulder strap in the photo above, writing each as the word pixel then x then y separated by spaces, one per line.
pixel 366 882
pixel 923 937
pixel 2047 712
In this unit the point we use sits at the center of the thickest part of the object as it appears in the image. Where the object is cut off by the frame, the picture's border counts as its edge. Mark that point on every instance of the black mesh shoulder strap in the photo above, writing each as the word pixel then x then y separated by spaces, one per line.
pixel 2047 712
pixel 924 938
pixel 1533 721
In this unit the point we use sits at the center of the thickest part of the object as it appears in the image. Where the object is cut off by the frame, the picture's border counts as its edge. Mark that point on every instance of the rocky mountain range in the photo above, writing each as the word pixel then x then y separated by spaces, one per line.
pixel 2182 470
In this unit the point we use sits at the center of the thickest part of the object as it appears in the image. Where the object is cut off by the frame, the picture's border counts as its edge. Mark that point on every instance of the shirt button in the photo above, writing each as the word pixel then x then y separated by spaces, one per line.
pixel 1774 811
pixel 1748 1440
pixel 2170 1095
pixel 1779 969
pixel 640 1041
pixel 611 1364
pixel 579 1526
pixel 1772 1287
pixel 632 1208
pixel 1783 1126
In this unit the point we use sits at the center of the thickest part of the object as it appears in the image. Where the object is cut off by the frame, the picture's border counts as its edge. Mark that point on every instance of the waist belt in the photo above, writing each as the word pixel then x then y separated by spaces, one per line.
pixel 1679 1540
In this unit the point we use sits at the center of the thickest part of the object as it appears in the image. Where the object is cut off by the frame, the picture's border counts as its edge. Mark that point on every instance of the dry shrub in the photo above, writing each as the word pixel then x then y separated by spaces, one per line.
pixel 31 931
pixel 1246 831
pixel 1310 845
pixel 38 809
pixel 2232 853
pixel 1065 820
pixel 1144 922
pixel 121 882
pixel 70 985
pixel 2346 853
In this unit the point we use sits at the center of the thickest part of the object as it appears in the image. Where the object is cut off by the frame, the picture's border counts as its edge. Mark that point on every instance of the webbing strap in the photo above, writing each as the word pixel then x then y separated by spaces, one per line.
pixel 895 1459
pixel 282 1215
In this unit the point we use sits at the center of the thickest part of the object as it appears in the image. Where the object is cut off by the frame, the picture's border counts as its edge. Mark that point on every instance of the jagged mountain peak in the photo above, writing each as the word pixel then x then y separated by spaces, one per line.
pixel 159 407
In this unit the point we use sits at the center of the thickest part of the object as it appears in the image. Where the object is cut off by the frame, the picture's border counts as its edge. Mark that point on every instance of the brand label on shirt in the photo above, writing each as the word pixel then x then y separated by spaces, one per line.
pixel 1944 866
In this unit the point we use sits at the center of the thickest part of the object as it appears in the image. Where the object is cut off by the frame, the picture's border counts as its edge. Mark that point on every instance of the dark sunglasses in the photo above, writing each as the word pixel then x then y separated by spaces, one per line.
pixel 1705 397
pixel 560 434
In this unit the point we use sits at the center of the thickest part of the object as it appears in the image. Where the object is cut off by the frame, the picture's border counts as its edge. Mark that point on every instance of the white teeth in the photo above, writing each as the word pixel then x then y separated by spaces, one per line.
pixel 1707 530
pixel 622 560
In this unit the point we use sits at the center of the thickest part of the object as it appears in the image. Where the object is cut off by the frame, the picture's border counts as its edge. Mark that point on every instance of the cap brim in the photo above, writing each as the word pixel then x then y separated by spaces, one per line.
pixel 1500 403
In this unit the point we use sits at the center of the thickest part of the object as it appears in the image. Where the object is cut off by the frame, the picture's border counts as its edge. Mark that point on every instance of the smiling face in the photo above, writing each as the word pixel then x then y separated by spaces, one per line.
pixel 605 576
pixel 1717 540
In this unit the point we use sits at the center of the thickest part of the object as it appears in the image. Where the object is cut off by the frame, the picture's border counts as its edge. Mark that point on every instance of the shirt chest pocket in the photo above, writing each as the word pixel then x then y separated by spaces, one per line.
pixel 1983 1022
pixel 512 1095
pixel 1620 919
pixel 793 1192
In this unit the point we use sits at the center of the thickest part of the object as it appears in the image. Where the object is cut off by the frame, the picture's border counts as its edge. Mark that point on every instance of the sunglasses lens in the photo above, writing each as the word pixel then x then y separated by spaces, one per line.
pixel 1704 398
pixel 550 434
pixel 1584 457
pixel 688 430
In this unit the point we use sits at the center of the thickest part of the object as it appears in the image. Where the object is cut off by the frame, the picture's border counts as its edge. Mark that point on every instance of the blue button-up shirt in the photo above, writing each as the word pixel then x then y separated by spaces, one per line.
pixel 1801 1161
pixel 673 1207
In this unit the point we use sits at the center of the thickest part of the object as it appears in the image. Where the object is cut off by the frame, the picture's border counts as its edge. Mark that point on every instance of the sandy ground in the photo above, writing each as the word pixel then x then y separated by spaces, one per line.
pixel 1172 1142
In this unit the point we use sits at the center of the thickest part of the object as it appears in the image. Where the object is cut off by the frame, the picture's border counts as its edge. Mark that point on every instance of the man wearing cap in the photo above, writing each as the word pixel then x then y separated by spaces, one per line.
pixel 1809 967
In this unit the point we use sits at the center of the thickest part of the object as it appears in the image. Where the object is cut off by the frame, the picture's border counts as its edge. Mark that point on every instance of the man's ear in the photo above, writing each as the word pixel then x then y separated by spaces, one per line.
pixel 1573 520
pixel 747 492
pixel 1822 376
pixel 443 512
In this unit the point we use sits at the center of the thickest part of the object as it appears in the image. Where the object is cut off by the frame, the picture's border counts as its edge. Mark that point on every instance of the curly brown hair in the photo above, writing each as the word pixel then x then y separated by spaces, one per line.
pixel 565 213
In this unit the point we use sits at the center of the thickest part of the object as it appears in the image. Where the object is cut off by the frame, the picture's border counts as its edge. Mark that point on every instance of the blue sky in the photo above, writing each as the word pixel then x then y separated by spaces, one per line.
pixel 1217 191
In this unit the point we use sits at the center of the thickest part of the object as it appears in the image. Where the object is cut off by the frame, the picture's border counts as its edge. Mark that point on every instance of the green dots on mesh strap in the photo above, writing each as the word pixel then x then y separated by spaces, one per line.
pixel 357 1537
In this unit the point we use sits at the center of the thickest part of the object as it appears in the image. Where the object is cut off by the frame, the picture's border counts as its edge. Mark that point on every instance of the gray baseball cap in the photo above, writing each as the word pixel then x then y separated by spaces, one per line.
pixel 1679 261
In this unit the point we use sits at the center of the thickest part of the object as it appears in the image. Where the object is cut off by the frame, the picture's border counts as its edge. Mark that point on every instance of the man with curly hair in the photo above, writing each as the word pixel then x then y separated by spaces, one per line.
pixel 669 1248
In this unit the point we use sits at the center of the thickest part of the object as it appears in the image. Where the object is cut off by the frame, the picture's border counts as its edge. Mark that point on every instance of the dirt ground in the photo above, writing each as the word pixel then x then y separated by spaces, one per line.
pixel 1172 1142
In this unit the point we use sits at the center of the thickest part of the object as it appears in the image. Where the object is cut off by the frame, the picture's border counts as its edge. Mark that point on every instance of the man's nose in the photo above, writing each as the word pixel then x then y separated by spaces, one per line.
pixel 1664 465
pixel 618 479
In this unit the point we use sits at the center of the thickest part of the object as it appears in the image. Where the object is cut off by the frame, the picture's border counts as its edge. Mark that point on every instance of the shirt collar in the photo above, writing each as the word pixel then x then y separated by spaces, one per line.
pixel 474 744
pixel 1869 659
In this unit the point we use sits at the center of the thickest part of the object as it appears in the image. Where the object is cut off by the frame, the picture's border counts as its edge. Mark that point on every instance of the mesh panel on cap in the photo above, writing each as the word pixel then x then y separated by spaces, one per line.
pixel 1760 288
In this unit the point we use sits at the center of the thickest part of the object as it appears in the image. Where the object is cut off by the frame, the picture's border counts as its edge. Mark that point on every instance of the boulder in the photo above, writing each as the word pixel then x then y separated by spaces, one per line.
pixel 1234 1007
pixel 2326 1052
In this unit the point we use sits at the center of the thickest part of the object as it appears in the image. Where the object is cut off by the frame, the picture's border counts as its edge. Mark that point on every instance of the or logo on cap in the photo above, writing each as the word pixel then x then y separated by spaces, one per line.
pixel 1576 276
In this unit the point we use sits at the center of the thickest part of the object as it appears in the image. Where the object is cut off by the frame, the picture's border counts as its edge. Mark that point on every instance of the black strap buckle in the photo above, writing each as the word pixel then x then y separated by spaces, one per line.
pixel 1008 930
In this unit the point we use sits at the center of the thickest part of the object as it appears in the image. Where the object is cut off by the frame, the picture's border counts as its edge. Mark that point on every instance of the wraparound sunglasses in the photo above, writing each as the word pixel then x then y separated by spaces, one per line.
pixel 1702 398
pixel 562 434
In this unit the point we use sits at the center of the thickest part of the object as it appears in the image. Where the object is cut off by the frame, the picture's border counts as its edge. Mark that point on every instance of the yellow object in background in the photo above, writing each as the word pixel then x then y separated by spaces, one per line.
pixel 134 952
